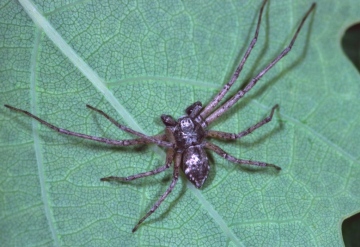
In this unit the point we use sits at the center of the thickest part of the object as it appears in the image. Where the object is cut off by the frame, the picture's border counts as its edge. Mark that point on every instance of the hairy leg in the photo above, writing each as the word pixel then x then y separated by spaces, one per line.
pixel 131 131
pixel 84 136
pixel 230 158
pixel 228 104
pixel 232 136
pixel 167 192
pixel 169 159
pixel 209 108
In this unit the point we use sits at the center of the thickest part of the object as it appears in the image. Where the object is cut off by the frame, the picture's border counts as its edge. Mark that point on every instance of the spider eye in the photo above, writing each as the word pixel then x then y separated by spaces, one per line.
pixel 168 120
pixel 186 124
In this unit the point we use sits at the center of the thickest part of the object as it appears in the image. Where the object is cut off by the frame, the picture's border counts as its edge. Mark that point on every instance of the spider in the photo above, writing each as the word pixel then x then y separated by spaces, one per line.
pixel 185 138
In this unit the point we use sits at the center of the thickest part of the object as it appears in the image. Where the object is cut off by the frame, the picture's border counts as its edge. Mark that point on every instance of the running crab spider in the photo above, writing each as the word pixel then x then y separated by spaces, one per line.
pixel 185 138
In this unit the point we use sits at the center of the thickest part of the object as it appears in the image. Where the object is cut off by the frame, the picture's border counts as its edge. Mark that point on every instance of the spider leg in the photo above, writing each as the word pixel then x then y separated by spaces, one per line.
pixel 228 104
pixel 169 159
pixel 167 192
pixel 80 135
pixel 194 109
pixel 230 158
pixel 231 136
pixel 131 131
pixel 236 74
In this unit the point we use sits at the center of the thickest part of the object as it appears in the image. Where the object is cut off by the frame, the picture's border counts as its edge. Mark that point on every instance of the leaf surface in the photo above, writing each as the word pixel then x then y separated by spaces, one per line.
pixel 141 59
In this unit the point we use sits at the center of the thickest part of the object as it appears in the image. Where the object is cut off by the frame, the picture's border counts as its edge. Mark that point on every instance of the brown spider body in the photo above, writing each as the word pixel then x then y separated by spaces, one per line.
pixel 188 136
pixel 185 139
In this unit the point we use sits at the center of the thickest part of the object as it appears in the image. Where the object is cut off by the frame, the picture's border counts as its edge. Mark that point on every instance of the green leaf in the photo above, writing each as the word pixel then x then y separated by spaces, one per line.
pixel 138 60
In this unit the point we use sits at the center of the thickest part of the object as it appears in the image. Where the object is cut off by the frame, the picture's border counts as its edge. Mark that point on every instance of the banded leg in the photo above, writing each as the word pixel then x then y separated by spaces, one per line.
pixel 208 109
pixel 169 159
pixel 232 136
pixel 194 109
pixel 167 192
pixel 230 158
pixel 131 131
pixel 128 142
pixel 228 104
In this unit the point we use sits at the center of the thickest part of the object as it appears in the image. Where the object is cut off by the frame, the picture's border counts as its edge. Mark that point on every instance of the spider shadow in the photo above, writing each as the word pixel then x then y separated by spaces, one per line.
pixel 238 107
pixel 265 86
pixel 258 141
pixel 247 42
pixel 164 183
pixel 103 146
pixel 166 209
pixel 108 147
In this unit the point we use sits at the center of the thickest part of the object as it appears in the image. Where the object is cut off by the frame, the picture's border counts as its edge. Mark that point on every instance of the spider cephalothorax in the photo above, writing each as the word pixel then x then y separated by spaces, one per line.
pixel 186 131
pixel 184 138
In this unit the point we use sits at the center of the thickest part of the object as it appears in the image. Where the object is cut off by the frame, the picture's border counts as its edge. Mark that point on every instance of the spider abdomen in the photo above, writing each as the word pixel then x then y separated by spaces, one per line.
pixel 195 165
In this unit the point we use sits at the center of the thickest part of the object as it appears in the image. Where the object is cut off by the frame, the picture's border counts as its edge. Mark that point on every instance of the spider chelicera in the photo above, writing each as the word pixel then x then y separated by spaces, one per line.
pixel 185 138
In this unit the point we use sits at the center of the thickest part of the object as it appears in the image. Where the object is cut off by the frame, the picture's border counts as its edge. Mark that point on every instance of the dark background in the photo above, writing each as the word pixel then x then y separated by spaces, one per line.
pixel 351 46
